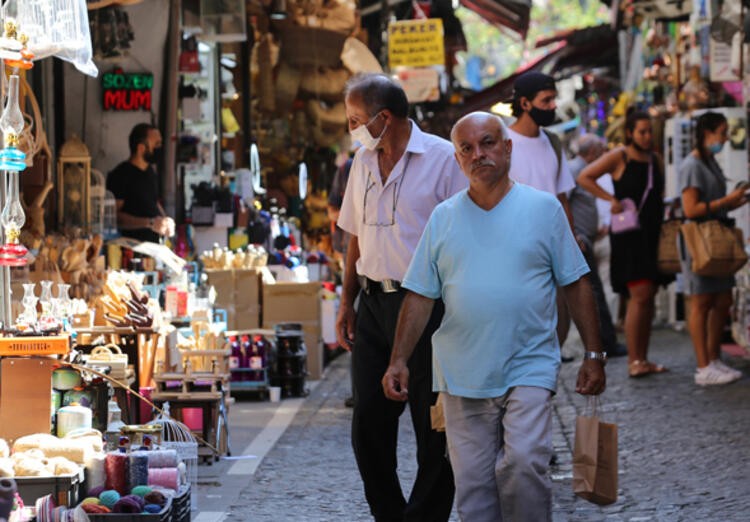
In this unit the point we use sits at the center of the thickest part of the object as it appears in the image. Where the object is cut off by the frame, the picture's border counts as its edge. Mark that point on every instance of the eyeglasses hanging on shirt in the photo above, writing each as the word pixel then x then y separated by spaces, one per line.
pixel 395 187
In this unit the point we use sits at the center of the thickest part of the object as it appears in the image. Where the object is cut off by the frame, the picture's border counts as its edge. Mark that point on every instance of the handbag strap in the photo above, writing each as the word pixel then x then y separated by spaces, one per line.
pixel 649 184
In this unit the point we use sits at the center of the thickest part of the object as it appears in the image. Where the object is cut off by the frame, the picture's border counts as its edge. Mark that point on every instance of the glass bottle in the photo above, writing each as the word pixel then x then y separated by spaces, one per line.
pixel 12 253
pixel 29 301
pixel 63 303
pixel 45 300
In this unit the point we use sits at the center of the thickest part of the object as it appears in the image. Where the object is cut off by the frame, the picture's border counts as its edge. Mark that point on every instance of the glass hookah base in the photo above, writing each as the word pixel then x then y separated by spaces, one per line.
pixel 13 255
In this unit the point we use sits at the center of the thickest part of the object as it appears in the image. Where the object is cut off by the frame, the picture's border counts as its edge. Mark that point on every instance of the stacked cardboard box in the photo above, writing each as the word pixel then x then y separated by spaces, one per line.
pixel 297 303
pixel 238 292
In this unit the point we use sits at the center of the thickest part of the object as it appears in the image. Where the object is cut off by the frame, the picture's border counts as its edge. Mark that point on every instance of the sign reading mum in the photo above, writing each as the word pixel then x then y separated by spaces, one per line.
pixel 127 91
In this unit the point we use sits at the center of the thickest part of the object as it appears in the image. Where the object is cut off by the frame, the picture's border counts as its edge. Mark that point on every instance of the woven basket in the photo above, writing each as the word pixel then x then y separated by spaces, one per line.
pixel 311 46
pixel 325 83
pixel 287 85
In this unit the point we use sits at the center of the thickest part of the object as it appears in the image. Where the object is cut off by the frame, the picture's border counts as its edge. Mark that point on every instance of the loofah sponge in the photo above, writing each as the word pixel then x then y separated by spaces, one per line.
pixel 155 497
pixel 33 442
pixel 95 508
pixel 4 449
pixel 141 491
pixel 63 466
pixel 129 504
pixel 109 497
pixel 30 468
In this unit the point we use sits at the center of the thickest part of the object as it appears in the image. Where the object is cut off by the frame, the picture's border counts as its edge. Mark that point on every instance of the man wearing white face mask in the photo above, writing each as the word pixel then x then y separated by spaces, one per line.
pixel 397 178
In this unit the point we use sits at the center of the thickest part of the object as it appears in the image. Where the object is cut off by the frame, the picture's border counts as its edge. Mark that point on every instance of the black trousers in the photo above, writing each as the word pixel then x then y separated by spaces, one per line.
pixel 375 419
pixel 607 332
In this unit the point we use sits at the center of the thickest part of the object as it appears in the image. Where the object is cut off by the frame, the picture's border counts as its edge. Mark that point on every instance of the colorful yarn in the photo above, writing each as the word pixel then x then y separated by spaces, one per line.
pixel 91 500
pixel 116 468
pixel 109 497
pixel 162 458
pixel 152 508
pixel 155 497
pixel 138 469
pixel 95 492
pixel 164 477
pixel 129 504
pixel 95 508
pixel 141 491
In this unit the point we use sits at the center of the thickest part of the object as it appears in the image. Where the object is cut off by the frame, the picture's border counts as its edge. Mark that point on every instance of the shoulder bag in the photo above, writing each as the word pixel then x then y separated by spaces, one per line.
pixel 716 248
pixel 668 256
pixel 628 220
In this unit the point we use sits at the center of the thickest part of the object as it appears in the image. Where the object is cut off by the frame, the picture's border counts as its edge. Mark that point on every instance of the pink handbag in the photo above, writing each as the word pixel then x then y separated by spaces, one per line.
pixel 628 220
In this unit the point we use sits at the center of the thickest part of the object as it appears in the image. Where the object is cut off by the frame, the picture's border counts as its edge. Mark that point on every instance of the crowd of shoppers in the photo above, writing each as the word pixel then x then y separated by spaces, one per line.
pixel 467 276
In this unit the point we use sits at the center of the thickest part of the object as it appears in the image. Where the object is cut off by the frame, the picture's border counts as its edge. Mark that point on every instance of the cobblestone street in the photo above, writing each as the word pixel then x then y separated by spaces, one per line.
pixel 684 450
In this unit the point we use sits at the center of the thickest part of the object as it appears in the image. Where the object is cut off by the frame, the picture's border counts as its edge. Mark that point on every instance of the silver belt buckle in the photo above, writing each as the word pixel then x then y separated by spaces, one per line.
pixel 389 286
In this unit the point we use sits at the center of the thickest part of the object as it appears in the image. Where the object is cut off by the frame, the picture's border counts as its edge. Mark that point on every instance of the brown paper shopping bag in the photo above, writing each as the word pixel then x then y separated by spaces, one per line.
pixel 595 460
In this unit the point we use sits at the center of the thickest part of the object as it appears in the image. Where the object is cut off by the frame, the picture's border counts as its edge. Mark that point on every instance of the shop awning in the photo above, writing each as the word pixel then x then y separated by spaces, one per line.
pixel 571 53
pixel 513 14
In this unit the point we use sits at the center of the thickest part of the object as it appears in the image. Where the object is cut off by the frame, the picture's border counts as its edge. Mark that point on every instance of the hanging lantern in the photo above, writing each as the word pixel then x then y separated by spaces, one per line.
pixel 74 185
pixel 12 161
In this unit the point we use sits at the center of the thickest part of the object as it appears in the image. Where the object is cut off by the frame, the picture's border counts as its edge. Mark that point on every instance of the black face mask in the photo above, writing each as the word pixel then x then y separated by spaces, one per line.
pixel 155 156
pixel 542 117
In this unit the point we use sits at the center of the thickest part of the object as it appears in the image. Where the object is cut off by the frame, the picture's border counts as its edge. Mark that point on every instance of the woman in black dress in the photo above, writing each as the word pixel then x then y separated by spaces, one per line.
pixel 633 265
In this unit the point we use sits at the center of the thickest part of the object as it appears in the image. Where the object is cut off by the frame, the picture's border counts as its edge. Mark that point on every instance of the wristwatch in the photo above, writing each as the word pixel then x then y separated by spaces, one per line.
pixel 597 356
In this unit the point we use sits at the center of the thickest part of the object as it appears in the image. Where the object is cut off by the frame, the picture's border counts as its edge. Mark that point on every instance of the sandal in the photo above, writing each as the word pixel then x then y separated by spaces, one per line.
pixel 642 368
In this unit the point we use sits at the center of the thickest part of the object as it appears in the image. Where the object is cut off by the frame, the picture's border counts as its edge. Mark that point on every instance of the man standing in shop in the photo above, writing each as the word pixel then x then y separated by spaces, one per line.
pixel 497 254
pixel 397 178
pixel 135 185
pixel 586 226
pixel 537 158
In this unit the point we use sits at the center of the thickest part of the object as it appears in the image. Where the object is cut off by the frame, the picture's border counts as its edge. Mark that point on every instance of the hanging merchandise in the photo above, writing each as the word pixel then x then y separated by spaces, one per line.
pixel 55 28
pixel 12 161
pixel 256 170
pixel 302 181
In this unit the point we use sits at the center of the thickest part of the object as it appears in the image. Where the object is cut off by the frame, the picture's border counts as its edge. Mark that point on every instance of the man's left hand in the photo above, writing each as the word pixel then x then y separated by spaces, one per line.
pixel 591 378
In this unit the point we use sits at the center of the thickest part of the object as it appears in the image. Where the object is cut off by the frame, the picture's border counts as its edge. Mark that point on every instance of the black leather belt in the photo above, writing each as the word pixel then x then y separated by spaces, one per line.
pixel 386 286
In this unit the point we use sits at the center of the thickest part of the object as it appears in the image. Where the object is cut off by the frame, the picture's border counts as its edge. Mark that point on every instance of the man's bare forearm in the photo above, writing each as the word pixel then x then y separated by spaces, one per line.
pixel 350 285
pixel 412 319
pixel 580 298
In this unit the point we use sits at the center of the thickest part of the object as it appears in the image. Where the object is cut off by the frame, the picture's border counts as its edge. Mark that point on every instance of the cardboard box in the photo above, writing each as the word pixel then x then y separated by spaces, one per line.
pixel 223 282
pixel 25 386
pixel 297 303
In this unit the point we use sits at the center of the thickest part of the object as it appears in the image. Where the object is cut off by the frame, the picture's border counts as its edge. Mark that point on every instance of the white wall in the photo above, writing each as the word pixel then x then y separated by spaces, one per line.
pixel 106 133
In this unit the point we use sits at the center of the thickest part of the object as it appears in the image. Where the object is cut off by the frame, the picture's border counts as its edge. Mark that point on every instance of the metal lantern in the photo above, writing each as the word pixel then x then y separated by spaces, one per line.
pixel 74 185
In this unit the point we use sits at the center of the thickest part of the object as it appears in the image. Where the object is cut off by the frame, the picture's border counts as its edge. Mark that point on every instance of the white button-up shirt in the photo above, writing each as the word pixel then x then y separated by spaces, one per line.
pixel 388 219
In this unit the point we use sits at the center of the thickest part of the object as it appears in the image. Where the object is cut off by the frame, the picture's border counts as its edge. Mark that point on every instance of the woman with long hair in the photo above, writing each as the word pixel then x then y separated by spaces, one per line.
pixel 636 174
pixel 704 196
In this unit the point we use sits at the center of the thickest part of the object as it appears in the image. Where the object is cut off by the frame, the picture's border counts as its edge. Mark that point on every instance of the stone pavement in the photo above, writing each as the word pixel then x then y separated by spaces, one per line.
pixel 684 450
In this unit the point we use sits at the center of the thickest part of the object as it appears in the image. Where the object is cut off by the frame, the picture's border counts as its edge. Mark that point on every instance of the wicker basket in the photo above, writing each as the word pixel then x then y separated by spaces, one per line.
pixel 311 46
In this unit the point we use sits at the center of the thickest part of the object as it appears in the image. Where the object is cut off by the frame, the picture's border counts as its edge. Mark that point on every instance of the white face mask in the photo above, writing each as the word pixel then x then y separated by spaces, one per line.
pixel 362 135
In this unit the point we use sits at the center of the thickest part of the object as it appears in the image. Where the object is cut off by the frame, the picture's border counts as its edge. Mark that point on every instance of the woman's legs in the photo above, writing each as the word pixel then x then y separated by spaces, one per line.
pixel 638 318
pixel 717 319
pixel 699 326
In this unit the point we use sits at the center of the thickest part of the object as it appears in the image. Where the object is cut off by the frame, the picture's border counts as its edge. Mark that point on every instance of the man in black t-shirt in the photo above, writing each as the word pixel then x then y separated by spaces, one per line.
pixel 135 185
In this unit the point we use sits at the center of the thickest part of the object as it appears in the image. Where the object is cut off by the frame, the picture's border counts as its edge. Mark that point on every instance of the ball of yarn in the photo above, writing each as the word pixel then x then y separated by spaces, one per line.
pixel 155 497
pixel 141 491
pixel 95 508
pixel 109 497
pixel 91 500
pixel 129 504
pixel 95 492
pixel 152 508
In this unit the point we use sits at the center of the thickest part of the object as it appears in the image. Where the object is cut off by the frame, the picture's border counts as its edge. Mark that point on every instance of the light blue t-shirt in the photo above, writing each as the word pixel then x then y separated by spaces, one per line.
pixel 497 272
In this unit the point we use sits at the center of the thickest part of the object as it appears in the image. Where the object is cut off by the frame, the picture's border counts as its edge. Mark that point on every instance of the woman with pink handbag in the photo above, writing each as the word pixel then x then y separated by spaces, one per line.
pixel 637 213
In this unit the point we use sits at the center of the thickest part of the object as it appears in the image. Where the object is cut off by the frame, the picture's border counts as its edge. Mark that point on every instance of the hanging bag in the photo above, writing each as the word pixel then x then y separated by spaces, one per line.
pixel 668 256
pixel 628 220
pixel 595 458
pixel 716 247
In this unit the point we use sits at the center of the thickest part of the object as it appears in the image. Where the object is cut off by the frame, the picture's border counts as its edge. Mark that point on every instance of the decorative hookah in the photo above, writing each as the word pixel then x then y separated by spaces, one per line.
pixel 12 161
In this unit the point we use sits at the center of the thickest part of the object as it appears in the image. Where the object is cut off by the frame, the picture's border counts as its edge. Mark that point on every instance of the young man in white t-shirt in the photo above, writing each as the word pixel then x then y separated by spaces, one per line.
pixel 537 158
